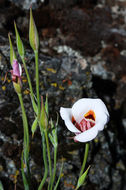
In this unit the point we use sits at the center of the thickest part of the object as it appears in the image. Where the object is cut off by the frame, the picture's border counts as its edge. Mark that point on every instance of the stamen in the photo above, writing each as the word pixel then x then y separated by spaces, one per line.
pixel 84 124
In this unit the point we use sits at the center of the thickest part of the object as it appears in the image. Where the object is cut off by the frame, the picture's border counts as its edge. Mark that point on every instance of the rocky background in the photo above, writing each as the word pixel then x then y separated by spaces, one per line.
pixel 82 54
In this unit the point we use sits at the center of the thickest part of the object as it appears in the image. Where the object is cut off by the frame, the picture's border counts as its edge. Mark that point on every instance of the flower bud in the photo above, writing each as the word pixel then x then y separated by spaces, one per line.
pixel 16 76
pixel 43 117
pixel 12 52
pixel 20 45
pixel 33 34
pixel 34 126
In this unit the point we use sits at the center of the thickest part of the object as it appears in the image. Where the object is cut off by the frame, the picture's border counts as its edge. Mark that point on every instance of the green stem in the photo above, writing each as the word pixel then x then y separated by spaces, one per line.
pixel 37 80
pixel 85 158
pixel 45 162
pixel 25 125
pixel 55 158
pixel 49 157
pixel 30 86
pixel 26 180
pixel 28 77
pixel 54 171
pixel 60 175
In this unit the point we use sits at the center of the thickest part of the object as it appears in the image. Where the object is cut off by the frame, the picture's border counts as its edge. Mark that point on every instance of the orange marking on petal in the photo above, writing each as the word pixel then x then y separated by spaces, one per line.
pixel 90 115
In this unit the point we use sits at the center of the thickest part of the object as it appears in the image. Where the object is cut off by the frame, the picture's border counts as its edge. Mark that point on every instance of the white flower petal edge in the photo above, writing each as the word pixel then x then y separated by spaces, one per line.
pixel 66 115
pixel 20 69
pixel 87 135
pixel 101 111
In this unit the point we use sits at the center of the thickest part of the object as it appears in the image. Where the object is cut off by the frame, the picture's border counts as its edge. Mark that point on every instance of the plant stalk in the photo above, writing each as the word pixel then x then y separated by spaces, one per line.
pixel 25 125
pixel 45 162
pixel 28 77
pixel 37 81
pixel 25 156
pixel 48 151
pixel 85 158
pixel 54 171
pixel 30 86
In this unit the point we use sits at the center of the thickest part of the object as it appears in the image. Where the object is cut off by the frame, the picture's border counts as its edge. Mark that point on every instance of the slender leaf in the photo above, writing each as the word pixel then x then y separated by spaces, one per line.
pixel 82 178
pixel 34 105
pixel 57 183
pixel 46 105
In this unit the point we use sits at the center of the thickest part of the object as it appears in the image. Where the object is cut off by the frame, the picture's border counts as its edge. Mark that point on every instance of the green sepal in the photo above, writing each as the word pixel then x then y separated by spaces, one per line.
pixel 17 87
pixel 12 52
pixel 33 33
pixel 82 178
pixel 19 42
pixel 34 126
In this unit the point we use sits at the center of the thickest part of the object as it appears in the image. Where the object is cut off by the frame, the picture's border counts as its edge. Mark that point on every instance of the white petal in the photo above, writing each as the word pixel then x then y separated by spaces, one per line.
pixel 100 126
pixel 82 106
pixel 66 115
pixel 103 120
pixel 87 135
pixel 101 112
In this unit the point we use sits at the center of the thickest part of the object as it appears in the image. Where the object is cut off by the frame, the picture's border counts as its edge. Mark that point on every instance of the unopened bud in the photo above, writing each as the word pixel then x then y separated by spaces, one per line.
pixel 33 34
pixel 12 52
pixel 43 116
pixel 16 76
pixel 19 42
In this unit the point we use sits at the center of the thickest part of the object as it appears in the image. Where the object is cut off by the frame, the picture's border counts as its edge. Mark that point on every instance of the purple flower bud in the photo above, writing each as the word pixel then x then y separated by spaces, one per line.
pixel 16 76
pixel 17 71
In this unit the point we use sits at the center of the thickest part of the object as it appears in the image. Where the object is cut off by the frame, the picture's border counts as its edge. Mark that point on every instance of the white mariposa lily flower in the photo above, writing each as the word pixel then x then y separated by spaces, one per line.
pixel 86 118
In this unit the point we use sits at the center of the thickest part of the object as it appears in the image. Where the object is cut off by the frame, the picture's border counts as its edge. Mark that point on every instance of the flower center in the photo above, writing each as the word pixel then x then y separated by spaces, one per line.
pixel 86 123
